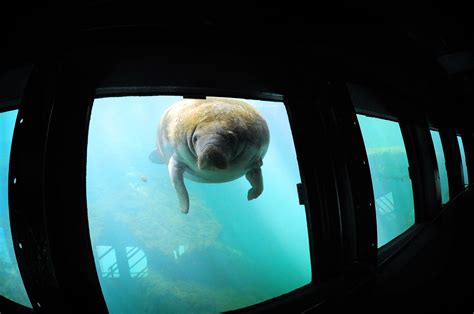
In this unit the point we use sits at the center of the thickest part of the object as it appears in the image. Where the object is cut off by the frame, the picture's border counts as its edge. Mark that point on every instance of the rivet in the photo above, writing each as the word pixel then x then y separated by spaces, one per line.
pixel 21 120
pixel 20 246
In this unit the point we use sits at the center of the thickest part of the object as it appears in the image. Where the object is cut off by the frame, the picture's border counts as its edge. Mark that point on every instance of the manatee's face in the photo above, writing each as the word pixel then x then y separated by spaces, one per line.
pixel 214 147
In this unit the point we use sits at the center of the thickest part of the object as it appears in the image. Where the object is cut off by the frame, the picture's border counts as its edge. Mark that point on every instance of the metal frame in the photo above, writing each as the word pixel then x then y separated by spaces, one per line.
pixel 354 189
pixel 420 154
pixel 26 193
pixel 48 203
pixel 453 160
pixel 5 303
pixel 468 142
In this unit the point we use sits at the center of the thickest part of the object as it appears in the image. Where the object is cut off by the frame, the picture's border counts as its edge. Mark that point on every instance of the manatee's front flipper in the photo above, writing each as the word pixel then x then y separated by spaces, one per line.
pixel 254 176
pixel 176 170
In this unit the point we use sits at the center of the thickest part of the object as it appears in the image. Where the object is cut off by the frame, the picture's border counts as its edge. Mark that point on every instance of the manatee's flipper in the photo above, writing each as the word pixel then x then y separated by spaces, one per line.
pixel 254 176
pixel 176 170
pixel 156 157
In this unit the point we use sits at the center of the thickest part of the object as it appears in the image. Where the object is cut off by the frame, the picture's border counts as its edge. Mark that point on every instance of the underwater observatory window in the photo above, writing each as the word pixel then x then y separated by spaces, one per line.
pixel 11 283
pixel 463 160
pixel 388 163
pixel 443 174
pixel 227 252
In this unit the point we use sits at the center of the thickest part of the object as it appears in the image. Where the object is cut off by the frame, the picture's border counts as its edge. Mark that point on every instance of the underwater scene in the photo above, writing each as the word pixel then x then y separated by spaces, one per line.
pixel 463 161
pixel 441 162
pixel 217 239
pixel 11 284
pixel 388 163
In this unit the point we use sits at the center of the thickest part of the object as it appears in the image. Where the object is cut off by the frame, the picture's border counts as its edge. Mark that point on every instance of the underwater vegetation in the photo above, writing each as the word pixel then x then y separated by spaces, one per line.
pixel 183 242
pixel 388 163
pixel 145 223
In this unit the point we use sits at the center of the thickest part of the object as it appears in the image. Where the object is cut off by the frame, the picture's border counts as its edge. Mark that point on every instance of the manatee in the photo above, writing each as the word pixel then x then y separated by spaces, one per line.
pixel 212 140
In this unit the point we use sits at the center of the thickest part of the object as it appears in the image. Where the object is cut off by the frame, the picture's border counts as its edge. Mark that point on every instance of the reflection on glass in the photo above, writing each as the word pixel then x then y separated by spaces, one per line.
pixel 463 160
pixel 443 174
pixel 107 261
pixel 137 262
pixel 226 253
pixel 11 284
pixel 388 162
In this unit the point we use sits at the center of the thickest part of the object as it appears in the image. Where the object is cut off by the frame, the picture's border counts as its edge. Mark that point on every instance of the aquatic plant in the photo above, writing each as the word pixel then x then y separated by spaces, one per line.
pixel 151 216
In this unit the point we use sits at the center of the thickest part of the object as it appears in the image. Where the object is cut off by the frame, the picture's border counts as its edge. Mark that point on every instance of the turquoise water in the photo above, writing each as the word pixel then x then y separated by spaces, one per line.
pixel 463 161
pixel 11 284
pixel 225 254
pixel 443 174
pixel 388 163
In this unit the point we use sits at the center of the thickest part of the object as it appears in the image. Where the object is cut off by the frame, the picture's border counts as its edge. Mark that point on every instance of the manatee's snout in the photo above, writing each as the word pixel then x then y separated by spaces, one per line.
pixel 212 158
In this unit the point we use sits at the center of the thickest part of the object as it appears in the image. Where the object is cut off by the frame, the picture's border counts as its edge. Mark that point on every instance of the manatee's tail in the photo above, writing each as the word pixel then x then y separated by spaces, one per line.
pixel 156 158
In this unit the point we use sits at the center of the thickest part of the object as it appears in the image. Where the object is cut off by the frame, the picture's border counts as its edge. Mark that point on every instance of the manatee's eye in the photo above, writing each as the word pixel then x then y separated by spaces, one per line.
pixel 231 138
pixel 195 138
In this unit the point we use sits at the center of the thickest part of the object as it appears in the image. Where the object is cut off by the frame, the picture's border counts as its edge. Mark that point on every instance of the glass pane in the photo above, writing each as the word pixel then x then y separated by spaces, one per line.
pixel 388 162
pixel 11 284
pixel 463 160
pixel 443 174
pixel 227 252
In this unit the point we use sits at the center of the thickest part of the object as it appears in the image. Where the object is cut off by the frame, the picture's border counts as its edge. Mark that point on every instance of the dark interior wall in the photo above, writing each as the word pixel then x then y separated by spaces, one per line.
pixel 361 44
pixel 431 275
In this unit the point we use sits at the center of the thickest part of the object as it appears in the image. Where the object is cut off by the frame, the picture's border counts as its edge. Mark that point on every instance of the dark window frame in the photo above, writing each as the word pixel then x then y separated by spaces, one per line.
pixel 468 141
pixel 438 179
pixel 5 303
pixel 464 139
pixel 375 103
pixel 453 160
pixel 56 109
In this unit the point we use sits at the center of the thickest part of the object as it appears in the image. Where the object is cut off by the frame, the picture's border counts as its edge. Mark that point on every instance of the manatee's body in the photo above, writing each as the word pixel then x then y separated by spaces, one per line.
pixel 212 140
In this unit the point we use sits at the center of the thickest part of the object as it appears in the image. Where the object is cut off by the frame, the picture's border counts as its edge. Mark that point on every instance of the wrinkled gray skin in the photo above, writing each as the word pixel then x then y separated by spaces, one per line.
pixel 226 139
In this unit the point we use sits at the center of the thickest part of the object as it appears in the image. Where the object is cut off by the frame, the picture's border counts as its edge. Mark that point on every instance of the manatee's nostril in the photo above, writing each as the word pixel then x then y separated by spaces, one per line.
pixel 219 162
pixel 211 159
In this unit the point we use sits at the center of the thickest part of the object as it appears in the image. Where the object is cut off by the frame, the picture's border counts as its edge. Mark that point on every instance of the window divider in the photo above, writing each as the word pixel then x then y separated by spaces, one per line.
pixel 453 160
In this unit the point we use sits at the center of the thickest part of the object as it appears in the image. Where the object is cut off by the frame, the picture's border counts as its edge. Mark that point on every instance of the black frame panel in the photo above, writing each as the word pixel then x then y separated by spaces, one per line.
pixel 65 215
pixel 50 150
pixel 453 160
pixel 27 210
pixel 420 154
pixel 355 190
